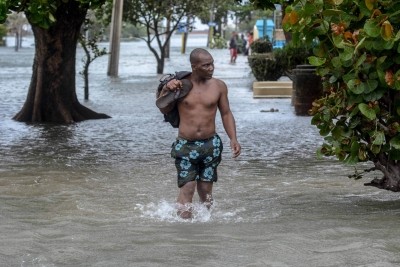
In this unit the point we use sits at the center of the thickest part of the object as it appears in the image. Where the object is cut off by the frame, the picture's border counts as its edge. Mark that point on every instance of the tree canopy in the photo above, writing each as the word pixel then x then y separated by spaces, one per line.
pixel 39 12
pixel 160 19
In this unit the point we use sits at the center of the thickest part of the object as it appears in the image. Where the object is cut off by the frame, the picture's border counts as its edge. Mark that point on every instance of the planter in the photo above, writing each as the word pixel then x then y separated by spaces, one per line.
pixel 307 87
pixel 272 89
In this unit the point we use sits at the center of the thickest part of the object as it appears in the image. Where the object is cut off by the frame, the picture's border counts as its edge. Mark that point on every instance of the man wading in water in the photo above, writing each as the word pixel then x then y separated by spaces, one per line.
pixel 197 149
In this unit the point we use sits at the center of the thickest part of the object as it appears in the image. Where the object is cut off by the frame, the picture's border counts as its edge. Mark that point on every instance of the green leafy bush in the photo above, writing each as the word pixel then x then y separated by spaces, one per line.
pixel 218 42
pixel 357 54
pixel 262 61
pixel 261 46
pixel 265 67
pixel 294 55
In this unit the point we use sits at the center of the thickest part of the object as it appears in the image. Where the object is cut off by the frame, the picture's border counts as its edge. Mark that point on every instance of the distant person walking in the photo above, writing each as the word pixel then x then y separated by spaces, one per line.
pixel 233 47
pixel 250 39
pixel 244 49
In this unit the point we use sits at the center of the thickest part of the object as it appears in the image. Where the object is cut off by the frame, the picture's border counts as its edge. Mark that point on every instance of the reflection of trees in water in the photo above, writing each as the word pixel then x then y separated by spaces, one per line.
pixel 48 144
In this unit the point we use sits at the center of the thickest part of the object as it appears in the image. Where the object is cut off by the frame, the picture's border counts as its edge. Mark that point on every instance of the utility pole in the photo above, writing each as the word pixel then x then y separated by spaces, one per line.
pixel 115 35
pixel 185 34
pixel 211 25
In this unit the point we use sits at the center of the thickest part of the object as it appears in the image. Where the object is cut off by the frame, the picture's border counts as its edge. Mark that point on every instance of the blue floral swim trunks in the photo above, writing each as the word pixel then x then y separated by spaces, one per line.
pixel 197 160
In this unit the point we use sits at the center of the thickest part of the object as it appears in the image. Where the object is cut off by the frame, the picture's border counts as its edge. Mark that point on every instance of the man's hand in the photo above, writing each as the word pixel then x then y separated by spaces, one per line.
pixel 236 148
pixel 174 85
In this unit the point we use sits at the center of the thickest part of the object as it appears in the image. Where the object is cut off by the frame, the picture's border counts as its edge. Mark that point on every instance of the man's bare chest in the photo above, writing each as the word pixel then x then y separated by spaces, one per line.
pixel 198 98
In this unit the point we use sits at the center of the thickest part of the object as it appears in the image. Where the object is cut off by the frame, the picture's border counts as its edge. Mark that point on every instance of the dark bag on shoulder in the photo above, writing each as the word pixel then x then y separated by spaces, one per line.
pixel 173 116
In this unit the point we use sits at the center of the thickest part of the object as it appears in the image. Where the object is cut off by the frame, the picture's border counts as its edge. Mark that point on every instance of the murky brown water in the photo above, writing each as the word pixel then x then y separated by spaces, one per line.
pixel 102 193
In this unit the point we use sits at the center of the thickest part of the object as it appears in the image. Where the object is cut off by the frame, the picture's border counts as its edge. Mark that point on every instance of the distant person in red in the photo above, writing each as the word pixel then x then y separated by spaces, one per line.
pixel 233 47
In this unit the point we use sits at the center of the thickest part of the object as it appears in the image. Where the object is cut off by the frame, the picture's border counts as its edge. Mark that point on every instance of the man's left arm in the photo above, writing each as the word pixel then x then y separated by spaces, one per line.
pixel 228 121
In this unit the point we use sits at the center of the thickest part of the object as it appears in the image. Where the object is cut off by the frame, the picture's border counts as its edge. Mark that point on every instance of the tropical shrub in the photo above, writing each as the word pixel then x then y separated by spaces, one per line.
pixel 265 67
pixel 261 46
pixel 262 61
pixel 293 55
pixel 218 42
pixel 358 55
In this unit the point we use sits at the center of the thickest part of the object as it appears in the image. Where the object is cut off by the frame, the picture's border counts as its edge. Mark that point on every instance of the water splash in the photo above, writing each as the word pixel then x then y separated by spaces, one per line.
pixel 35 261
pixel 167 212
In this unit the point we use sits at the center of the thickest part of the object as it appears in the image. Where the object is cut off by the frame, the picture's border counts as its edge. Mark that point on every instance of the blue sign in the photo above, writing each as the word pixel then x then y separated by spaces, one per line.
pixel 182 27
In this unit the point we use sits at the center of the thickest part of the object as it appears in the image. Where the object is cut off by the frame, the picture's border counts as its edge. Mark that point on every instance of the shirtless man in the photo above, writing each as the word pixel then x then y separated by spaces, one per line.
pixel 197 149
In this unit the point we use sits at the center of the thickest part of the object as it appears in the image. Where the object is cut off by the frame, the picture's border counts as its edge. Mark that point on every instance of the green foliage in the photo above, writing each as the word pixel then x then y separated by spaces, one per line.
pixel 41 12
pixel 266 67
pixel 266 64
pixel 357 54
pixel 3 11
pixel 152 13
pixel 262 45
pixel 152 16
pixel 218 42
pixel 220 9
pixel 131 32
pixel 294 55
pixel 263 4
pixel 3 33
pixel 88 39
pixel 269 4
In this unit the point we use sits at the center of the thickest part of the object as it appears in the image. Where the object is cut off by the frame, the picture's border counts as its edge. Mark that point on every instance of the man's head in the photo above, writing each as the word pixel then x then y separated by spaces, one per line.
pixel 202 63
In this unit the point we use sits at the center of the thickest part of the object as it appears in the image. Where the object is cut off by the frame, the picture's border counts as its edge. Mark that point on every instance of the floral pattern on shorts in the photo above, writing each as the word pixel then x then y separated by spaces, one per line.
pixel 197 160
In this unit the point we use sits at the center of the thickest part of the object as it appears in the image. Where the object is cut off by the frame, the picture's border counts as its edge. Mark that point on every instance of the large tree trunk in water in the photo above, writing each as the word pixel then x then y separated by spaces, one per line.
pixel 52 96
pixel 391 174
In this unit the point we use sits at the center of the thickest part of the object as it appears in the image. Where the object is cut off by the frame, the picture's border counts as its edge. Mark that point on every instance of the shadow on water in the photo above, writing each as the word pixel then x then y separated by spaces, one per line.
pixel 102 192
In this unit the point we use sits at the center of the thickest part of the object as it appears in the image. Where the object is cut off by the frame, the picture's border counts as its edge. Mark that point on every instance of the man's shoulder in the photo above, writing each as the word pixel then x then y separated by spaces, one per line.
pixel 218 82
pixel 219 86
pixel 213 82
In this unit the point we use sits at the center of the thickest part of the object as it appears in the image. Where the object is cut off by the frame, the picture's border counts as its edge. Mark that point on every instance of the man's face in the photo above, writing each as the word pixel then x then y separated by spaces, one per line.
pixel 205 66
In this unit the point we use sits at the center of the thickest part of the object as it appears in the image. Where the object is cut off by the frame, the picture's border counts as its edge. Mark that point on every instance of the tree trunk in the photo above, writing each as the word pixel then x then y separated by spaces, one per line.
pixel 52 93
pixel 86 81
pixel 167 44
pixel 160 59
pixel 16 41
pixel 160 65
pixel 85 72
pixel 391 174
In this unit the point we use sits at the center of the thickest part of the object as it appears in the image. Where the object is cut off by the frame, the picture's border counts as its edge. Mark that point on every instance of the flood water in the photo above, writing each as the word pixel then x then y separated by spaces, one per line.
pixel 102 192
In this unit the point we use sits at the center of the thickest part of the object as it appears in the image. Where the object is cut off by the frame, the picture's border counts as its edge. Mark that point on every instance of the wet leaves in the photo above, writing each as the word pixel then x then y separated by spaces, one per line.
pixel 358 60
